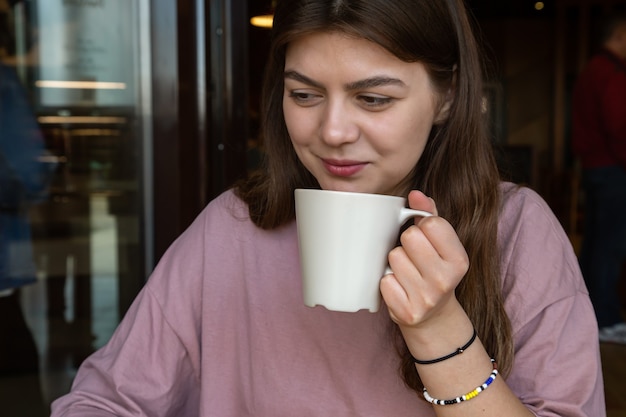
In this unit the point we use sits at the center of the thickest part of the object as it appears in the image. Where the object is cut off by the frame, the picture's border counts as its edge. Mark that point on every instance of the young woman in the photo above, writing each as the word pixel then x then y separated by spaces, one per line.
pixel 378 96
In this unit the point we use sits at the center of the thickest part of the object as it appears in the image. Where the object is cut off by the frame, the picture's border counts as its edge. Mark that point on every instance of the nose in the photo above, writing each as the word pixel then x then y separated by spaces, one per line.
pixel 339 124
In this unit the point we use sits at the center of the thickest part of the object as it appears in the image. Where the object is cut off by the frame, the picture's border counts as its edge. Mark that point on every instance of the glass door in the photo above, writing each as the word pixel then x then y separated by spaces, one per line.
pixel 75 152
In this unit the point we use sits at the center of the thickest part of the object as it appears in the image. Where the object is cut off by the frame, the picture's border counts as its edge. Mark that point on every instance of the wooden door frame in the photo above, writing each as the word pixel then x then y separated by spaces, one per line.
pixel 199 98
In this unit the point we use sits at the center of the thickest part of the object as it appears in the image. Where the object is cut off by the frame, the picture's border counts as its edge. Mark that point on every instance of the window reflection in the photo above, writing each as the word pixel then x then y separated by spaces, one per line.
pixel 71 154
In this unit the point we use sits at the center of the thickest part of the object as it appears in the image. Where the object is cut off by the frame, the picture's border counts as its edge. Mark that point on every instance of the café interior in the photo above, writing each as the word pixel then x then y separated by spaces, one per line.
pixel 148 109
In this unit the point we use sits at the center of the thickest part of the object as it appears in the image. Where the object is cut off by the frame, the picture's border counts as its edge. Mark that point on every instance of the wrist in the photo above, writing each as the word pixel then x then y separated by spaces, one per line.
pixel 458 351
pixel 440 336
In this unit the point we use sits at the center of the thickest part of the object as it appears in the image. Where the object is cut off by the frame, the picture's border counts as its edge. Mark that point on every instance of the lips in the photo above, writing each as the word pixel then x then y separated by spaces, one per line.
pixel 343 168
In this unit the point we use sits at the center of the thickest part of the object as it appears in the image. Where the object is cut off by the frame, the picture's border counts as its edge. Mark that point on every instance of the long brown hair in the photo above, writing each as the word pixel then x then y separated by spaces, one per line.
pixel 457 168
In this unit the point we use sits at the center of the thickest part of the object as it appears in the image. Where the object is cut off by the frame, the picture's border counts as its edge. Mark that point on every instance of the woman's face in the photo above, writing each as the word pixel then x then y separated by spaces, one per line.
pixel 358 117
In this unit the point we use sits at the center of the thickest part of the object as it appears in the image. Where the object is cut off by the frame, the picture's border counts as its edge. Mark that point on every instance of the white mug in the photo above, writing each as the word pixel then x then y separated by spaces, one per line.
pixel 344 239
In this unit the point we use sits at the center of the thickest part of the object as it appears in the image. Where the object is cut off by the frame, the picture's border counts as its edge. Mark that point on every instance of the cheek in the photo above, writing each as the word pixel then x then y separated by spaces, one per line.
pixel 299 126
pixel 295 134
pixel 404 136
pixel 290 119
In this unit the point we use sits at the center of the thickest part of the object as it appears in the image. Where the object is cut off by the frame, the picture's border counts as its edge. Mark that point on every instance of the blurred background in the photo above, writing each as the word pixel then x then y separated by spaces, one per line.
pixel 139 112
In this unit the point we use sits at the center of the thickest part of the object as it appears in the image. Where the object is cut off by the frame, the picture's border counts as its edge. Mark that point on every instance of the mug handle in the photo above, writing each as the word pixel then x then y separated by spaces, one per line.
pixel 406 214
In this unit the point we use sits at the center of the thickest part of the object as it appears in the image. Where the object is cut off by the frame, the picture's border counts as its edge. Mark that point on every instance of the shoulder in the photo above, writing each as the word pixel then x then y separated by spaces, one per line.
pixel 224 212
pixel 218 240
pixel 227 204
pixel 607 69
pixel 210 235
pixel 522 202
pixel 599 72
pixel 604 61
pixel 223 217
pixel 523 211
pixel 553 322
pixel 539 266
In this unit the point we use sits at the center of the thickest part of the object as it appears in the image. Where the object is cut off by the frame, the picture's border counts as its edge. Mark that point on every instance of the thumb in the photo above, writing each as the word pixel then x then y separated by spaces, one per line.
pixel 419 201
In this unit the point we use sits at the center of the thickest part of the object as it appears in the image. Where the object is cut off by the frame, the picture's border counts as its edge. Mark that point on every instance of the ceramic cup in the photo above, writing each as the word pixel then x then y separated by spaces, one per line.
pixel 344 239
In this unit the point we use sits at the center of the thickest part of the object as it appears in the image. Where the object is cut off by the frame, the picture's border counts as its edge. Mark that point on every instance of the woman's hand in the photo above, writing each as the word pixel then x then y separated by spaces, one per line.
pixel 420 297
pixel 427 268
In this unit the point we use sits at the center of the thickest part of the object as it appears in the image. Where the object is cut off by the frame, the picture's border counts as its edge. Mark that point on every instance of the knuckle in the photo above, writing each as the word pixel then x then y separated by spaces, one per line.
pixel 395 253
pixel 429 301
pixel 411 234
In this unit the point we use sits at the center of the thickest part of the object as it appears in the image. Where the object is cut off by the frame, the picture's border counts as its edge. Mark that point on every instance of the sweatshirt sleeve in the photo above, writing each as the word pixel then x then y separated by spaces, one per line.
pixel 144 370
pixel 557 369
pixel 151 364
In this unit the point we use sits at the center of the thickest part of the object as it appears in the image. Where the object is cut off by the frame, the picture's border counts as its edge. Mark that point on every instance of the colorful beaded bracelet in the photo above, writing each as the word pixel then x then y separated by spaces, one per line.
pixel 469 395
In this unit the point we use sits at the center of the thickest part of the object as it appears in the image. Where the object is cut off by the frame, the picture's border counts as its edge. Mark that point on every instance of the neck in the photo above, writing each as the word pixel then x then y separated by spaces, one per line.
pixel 616 49
pixel 616 43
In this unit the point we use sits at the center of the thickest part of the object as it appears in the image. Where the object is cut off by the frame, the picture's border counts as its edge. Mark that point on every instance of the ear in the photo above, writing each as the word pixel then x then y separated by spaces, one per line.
pixel 444 108
pixel 448 100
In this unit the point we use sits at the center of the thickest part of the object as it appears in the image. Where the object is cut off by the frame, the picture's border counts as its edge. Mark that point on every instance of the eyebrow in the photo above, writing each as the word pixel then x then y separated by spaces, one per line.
pixel 371 82
pixel 296 76
pixel 376 81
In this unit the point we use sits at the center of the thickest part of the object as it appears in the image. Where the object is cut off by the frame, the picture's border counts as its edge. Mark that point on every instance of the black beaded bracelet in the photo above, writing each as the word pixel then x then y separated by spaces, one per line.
pixel 443 358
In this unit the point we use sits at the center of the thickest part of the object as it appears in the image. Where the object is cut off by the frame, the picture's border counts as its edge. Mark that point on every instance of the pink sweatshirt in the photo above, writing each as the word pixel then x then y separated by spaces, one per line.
pixel 220 329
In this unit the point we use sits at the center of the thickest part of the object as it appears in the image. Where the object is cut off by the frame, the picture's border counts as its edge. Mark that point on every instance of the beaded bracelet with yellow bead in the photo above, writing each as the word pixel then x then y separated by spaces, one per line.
pixel 474 393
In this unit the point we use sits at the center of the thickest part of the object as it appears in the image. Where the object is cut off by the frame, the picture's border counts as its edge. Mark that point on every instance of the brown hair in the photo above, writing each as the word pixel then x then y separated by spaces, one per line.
pixel 457 168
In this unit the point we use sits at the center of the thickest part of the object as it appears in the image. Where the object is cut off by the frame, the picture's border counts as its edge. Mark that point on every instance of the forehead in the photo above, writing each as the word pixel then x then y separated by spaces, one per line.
pixel 337 41
pixel 331 52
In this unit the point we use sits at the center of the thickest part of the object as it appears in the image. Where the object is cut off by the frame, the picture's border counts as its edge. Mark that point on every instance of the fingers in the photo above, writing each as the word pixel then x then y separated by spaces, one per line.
pixel 397 301
pixel 432 238
pixel 427 267
pixel 419 201
pixel 433 244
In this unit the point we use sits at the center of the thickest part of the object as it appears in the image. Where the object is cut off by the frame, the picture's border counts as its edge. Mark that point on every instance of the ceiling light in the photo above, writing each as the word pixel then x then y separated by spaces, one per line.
pixel 262 21
pixel 265 20
pixel 87 85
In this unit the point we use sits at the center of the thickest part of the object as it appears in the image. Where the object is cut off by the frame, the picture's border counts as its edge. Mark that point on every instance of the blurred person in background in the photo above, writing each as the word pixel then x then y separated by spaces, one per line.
pixel 599 141
pixel 23 182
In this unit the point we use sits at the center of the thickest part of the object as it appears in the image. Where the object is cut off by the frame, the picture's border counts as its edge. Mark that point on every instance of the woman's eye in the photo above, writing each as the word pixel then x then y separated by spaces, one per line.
pixel 375 101
pixel 303 97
